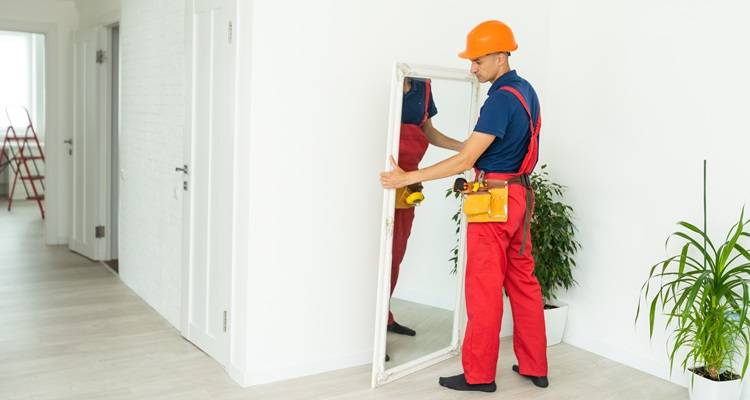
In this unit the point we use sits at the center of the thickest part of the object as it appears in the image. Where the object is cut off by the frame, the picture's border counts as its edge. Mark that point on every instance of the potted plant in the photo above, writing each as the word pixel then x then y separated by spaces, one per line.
pixel 554 245
pixel 553 238
pixel 704 292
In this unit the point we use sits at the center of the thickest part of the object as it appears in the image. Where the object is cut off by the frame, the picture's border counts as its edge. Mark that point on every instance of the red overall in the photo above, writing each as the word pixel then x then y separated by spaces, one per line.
pixel 411 149
pixel 495 260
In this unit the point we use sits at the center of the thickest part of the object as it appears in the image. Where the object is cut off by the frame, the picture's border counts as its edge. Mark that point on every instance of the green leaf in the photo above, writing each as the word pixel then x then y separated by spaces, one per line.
pixel 651 317
pixel 729 246
pixel 683 258
pixel 697 230
pixel 707 256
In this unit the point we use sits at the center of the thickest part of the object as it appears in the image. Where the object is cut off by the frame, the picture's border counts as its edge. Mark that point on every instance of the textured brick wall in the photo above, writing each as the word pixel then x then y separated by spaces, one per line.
pixel 153 91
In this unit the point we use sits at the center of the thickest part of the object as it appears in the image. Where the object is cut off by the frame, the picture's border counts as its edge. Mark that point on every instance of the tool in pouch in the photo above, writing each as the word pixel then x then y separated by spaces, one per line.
pixel 409 196
pixel 484 200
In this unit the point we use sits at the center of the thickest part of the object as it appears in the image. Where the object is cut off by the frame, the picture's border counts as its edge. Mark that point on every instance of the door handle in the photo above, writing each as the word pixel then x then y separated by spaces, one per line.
pixel 70 143
pixel 184 169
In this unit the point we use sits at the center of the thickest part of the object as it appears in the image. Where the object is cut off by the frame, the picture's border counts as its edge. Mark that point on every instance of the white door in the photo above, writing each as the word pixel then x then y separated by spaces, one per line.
pixel 84 149
pixel 208 216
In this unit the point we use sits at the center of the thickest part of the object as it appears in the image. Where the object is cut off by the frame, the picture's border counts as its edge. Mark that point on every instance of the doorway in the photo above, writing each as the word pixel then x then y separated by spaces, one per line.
pixel 114 176
pixel 22 120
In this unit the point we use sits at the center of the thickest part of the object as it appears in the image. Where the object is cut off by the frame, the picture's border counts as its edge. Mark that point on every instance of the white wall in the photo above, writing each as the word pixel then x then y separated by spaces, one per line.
pixel 314 251
pixel 638 95
pixel 97 12
pixel 57 19
pixel 153 92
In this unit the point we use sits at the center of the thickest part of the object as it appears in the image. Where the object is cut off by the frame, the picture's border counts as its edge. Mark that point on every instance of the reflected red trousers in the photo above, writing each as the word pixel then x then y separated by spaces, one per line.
pixel 402 223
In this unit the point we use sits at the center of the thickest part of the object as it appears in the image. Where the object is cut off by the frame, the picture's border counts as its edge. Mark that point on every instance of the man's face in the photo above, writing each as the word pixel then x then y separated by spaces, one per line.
pixel 486 68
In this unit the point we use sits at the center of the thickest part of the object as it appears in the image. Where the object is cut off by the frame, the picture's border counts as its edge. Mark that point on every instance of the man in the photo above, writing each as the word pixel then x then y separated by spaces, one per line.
pixel 504 145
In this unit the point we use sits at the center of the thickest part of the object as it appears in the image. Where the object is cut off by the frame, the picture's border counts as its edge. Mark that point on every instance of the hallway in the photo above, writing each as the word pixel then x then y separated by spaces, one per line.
pixel 72 330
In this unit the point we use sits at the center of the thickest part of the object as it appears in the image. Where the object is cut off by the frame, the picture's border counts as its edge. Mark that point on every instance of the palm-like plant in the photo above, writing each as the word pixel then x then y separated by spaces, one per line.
pixel 553 236
pixel 705 291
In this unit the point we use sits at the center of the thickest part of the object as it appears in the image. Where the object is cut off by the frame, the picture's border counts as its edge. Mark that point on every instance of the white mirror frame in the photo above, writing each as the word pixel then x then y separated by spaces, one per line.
pixel 380 375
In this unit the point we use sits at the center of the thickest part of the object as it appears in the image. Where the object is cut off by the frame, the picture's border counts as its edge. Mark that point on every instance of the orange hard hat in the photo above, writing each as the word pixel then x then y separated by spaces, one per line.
pixel 487 38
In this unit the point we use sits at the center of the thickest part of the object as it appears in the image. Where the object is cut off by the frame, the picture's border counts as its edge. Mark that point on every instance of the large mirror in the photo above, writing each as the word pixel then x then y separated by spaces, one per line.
pixel 419 313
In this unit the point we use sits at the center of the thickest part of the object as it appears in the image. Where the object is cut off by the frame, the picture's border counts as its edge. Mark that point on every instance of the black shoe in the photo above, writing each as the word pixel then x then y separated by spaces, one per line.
pixel 387 358
pixel 539 381
pixel 400 329
pixel 458 382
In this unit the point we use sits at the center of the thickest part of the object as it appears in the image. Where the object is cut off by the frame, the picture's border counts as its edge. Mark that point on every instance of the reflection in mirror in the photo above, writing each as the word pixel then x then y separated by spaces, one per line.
pixel 434 120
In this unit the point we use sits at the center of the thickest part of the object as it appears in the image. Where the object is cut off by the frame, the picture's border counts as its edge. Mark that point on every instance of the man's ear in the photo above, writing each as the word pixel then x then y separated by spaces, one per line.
pixel 502 58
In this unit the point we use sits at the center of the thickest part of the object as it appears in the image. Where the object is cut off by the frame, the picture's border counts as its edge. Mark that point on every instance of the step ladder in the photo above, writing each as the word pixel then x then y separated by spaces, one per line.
pixel 24 155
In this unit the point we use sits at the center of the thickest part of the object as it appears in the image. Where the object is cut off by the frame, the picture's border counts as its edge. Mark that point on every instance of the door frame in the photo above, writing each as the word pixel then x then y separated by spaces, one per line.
pixel 186 151
pixel 104 248
pixel 186 154
pixel 103 180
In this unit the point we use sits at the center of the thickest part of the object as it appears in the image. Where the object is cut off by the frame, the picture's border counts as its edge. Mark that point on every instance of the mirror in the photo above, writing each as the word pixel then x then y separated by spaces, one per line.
pixel 420 288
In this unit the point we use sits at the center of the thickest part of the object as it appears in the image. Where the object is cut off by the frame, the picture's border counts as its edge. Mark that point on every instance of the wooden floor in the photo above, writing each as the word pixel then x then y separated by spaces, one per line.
pixel 69 329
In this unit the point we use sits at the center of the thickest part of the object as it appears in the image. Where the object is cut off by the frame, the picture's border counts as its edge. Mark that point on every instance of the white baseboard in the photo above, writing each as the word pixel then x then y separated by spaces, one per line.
pixel 237 375
pixel 649 365
pixel 260 376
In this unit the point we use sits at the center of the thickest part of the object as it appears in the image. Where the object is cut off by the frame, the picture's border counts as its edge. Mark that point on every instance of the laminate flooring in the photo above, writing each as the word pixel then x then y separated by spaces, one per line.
pixel 70 329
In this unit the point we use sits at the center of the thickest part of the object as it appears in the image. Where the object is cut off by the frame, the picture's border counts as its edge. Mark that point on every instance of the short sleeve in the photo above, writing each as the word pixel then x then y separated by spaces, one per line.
pixel 431 109
pixel 494 116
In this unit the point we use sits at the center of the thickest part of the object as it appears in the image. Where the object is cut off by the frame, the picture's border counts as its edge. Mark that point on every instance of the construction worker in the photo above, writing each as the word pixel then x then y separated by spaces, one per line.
pixel 504 147
pixel 417 133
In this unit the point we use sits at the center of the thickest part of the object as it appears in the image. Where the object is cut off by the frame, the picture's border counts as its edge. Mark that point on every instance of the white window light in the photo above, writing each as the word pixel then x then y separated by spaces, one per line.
pixel 22 77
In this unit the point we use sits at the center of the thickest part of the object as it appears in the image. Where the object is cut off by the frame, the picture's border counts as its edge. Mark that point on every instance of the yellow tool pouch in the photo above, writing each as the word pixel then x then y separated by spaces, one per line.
pixel 489 205
pixel 408 198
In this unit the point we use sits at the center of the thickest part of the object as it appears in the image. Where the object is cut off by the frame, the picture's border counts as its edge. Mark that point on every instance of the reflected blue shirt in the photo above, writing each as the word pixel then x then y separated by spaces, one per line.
pixel 412 109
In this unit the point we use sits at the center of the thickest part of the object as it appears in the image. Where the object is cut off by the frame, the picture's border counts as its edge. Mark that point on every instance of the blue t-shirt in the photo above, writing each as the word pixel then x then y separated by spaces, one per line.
pixel 412 109
pixel 503 116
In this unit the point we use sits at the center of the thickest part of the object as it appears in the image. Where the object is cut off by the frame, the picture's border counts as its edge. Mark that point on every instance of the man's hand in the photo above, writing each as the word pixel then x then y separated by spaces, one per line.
pixel 471 149
pixel 397 178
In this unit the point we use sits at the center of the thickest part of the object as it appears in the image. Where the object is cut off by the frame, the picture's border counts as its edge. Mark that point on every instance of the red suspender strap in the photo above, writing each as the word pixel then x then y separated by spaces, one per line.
pixel 427 90
pixel 532 155
pixel 529 161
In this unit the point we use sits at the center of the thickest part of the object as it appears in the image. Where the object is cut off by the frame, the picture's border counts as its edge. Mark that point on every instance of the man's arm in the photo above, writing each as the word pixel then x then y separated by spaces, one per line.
pixel 477 143
pixel 437 138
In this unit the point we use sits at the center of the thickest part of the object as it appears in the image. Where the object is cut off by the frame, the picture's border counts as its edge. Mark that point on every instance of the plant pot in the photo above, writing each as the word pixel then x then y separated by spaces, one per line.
pixel 554 321
pixel 705 389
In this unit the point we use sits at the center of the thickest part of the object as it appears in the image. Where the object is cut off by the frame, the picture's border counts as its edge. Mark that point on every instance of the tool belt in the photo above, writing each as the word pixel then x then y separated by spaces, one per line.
pixel 486 200
pixel 409 196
